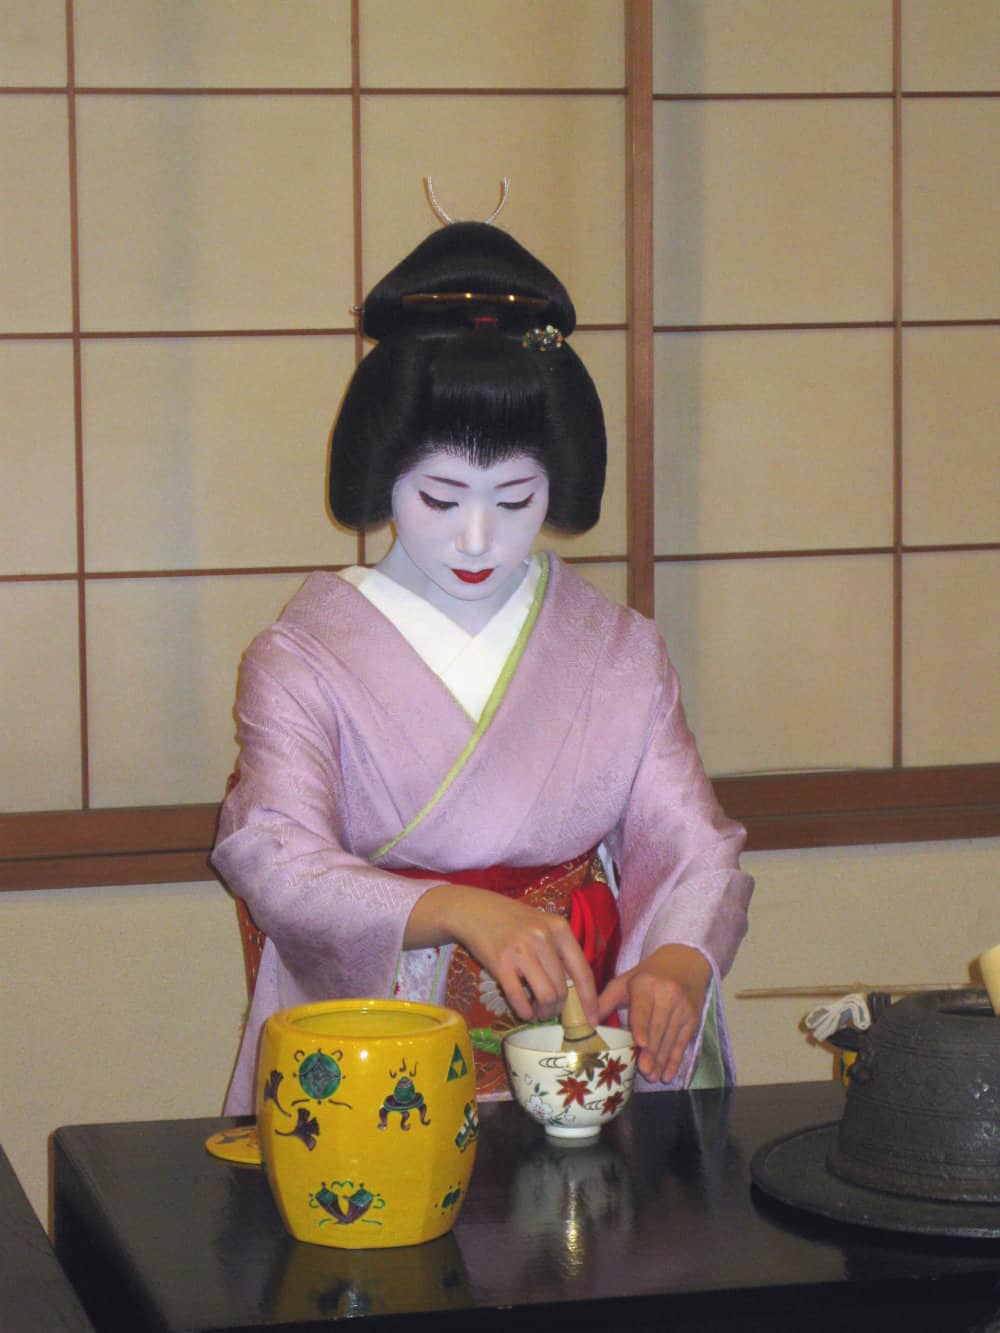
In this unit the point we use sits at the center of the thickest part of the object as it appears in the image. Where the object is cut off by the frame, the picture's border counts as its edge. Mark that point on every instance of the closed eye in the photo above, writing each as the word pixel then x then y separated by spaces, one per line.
pixel 432 502
pixel 516 504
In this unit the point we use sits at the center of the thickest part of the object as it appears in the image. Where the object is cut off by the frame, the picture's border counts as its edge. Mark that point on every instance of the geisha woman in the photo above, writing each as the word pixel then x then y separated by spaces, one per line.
pixel 465 776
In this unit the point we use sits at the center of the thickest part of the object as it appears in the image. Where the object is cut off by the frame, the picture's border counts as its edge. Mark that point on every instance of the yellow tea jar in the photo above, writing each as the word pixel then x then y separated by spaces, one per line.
pixel 366 1112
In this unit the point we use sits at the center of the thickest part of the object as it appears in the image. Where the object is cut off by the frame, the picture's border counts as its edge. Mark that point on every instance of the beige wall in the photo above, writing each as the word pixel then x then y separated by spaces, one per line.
pixel 118 1004
pixel 167 386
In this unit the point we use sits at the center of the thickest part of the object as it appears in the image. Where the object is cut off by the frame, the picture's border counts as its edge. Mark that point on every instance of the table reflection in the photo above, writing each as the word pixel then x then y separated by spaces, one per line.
pixel 317 1281
pixel 290 1281
pixel 564 1201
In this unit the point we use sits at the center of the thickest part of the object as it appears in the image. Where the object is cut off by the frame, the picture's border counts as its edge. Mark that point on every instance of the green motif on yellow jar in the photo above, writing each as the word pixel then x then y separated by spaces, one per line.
pixel 319 1075
pixel 403 1099
pixel 344 1207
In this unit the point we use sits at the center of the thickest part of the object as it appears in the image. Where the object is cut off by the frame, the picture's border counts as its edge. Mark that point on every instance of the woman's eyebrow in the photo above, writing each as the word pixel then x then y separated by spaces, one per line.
pixel 501 486
pixel 445 481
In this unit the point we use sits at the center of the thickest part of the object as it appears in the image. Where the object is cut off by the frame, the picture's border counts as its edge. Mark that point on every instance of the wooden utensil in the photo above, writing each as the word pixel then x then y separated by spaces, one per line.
pixel 578 1034
pixel 847 988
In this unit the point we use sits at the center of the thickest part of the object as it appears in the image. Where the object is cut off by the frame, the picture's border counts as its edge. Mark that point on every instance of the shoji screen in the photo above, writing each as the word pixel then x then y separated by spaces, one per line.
pixel 194 198
pixel 826 206
pixel 778 219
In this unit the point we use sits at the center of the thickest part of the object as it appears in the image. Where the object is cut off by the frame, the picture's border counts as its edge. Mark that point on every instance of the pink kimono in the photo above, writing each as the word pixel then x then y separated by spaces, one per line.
pixel 348 739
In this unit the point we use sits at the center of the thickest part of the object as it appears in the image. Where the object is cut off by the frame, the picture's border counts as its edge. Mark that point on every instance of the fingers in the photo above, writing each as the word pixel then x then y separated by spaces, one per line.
pixel 529 952
pixel 652 1020
pixel 517 991
pixel 579 971
pixel 664 995
pixel 535 987
pixel 662 1062
pixel 534 966
pixel 613 996
pixel 663 1023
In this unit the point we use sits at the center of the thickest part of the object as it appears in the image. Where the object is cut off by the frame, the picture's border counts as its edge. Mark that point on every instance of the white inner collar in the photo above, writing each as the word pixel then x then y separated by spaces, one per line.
pixel 467 664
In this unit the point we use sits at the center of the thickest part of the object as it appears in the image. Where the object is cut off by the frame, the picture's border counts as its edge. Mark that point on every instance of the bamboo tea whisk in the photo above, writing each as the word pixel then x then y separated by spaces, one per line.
pixel 578 1034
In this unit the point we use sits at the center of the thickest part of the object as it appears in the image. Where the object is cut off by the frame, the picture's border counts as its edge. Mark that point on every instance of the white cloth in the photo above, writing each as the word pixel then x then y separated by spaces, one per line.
pixel 850 1011
pixel 467 664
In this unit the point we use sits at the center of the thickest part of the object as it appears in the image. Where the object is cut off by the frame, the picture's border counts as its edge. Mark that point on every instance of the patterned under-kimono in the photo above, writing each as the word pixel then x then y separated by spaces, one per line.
pixel 377 736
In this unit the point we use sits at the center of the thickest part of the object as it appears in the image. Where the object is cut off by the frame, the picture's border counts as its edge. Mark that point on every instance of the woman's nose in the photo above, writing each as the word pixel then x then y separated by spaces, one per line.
pixel 474 536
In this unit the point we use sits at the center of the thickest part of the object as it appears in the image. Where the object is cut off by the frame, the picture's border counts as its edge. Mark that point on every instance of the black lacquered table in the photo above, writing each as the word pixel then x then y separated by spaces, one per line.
pixel 655 1227
pixel 35 1296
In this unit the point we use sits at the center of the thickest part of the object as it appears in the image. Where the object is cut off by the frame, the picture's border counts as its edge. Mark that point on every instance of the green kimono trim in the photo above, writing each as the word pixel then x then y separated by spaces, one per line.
pixel 710 1068
pixel 492 704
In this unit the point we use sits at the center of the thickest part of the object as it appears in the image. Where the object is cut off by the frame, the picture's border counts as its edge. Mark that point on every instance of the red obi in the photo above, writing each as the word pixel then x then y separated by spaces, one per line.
pixel 577 890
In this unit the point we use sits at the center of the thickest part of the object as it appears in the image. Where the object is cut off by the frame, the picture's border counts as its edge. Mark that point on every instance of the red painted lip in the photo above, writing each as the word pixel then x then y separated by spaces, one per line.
pixel 467 576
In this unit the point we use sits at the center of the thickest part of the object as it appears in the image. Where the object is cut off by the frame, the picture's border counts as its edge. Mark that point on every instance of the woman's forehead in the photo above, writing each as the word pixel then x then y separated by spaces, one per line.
pixel 450 468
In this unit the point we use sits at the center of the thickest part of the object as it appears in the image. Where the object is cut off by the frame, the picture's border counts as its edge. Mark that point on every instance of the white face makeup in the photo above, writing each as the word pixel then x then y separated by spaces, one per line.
pixel 463 532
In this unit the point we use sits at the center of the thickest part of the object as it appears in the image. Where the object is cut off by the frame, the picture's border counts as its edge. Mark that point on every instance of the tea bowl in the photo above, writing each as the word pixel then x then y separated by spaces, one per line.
pixel 571 1094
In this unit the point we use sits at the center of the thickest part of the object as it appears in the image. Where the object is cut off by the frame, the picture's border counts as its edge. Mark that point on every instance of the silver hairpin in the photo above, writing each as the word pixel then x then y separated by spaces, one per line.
pixel 447 220
pixel 504 192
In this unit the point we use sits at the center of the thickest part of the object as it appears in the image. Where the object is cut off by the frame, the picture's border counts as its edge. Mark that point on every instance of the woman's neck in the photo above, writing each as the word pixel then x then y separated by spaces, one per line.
pixel 471 614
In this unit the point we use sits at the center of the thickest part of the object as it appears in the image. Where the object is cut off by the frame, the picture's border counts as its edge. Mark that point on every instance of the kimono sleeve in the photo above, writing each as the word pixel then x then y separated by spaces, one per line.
pixel 678 854
pixel 336 921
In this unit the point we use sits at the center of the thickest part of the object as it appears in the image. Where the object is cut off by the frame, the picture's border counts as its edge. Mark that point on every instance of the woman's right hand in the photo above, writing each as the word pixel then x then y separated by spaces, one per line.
pixel 529 952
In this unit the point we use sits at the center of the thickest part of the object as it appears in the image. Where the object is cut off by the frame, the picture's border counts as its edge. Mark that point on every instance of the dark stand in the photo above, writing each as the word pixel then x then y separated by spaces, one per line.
pixel 655 1227
pixel 35 1296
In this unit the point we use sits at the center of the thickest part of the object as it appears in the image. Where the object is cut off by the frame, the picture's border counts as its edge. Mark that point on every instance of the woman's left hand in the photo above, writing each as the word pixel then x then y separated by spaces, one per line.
pixel 664 996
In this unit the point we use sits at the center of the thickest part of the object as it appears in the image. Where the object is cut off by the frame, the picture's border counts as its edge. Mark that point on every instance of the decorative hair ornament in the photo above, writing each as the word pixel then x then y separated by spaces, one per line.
pixel 460 272
pixel 456 300
pixel 447 219
pixel 548 339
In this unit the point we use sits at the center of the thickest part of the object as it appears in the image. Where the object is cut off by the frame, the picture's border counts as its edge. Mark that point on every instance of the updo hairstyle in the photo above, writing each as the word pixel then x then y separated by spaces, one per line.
pixel 449 372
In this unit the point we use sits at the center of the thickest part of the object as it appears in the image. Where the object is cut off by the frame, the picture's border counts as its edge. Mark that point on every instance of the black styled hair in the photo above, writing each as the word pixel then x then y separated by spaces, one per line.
pixel 450 372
